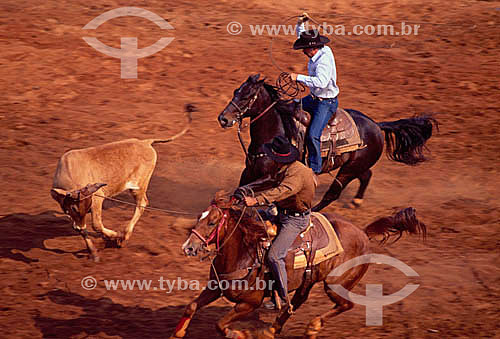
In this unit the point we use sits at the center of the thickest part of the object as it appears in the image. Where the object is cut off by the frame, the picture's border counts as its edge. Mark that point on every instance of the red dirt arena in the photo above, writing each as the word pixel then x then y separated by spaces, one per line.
pixel 58 93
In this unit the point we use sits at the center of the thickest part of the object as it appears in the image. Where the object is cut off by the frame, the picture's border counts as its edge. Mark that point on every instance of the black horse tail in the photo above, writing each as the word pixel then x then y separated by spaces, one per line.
pixel 395 225
pixel 405 138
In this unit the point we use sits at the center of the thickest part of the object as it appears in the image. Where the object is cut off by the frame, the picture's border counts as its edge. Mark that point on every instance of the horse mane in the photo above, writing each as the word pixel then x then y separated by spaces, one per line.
pixel 250 224
pixel 272 90
pixel 282 107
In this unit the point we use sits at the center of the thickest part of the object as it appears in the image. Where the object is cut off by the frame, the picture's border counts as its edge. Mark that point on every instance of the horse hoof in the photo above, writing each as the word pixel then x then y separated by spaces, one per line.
pixel 119 239
pixel 235 334
pixel 355 203
pixel 266 333
pixel 313 328
pixel 121 242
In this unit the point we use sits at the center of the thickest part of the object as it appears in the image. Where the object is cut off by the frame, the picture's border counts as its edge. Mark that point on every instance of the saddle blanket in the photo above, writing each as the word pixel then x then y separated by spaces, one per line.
pixel 319 241
pixel 340 135
pixel 324 241
pixel 342 132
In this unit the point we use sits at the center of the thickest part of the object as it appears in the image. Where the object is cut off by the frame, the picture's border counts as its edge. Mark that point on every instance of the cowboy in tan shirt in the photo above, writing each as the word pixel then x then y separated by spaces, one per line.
pixel 296 191
pixel 293 197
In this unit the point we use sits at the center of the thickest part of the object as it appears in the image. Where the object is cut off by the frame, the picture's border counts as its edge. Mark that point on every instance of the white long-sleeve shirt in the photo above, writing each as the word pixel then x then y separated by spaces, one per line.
pixel 322 79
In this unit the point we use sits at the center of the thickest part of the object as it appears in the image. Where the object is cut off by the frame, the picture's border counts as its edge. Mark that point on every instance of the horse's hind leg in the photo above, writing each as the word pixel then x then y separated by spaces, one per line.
pixel 364 180
pixel 341 305
pixel 298 299
pixel 342 179
pixel 206 297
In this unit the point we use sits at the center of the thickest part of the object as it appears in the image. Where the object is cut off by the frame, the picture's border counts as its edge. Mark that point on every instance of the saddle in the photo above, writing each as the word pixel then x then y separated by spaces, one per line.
pixel 319 242
pixel 340 135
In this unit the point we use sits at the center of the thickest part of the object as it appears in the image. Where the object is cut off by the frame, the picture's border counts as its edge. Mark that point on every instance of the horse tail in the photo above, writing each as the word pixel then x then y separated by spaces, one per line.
pixel 406 138
pixel 172 138
pixel 395 225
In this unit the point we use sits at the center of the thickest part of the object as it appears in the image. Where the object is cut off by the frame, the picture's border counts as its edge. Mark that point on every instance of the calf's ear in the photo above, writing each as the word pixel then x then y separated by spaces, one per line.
pixel 58 194
pixel 92 188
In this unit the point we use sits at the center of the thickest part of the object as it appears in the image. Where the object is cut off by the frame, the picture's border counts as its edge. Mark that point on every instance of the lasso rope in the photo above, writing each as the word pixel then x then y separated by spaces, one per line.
pixel 287 88
pixel 145 207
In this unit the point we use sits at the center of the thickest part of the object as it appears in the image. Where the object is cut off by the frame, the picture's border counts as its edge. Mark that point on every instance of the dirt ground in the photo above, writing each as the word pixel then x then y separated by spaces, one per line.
pixel 58 93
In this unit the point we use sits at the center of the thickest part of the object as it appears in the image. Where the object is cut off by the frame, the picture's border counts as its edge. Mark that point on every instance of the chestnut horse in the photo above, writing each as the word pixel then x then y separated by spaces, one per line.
pixel 236 233
pixel 269 117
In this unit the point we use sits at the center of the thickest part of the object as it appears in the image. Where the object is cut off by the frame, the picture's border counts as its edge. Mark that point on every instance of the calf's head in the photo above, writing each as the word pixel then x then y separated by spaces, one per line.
pixel 76 203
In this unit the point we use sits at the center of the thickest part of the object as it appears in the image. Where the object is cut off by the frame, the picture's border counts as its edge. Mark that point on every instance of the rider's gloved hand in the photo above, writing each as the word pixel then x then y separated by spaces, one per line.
pixel 304 17
pixel 239 195
pixel 250 201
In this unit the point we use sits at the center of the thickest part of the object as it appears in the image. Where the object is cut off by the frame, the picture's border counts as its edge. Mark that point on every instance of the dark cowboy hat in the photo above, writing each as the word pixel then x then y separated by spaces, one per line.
pixel 310 39
pixel 280 150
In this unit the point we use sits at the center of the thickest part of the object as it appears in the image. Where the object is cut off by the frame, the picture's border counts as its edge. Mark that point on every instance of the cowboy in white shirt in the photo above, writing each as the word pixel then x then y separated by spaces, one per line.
pixel 322 103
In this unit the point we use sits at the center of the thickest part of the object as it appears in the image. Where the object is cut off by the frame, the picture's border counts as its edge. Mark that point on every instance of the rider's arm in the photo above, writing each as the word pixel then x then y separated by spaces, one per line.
pixel 291 185
pixel 324 71
pixel 300 28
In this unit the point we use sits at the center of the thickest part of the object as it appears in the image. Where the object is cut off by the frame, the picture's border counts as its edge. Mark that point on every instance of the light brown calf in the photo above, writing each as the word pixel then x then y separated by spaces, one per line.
pixel 84 177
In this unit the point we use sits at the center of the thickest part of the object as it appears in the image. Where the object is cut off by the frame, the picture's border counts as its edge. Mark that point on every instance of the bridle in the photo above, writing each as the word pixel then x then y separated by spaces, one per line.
pixel 241 114
pixel 215 232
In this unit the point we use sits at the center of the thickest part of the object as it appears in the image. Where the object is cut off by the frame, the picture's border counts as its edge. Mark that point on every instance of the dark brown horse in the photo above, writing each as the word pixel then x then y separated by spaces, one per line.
pixel 405 139
pixel 236 233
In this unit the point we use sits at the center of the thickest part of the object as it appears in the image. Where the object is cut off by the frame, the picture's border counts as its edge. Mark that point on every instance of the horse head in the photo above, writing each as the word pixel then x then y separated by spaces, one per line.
pixel 211 226
pixel 242 102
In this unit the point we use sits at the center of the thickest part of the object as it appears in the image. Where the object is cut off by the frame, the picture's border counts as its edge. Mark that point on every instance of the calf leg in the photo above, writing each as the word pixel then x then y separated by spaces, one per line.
pixel 90 245
pixel 141 201
pixel 97 219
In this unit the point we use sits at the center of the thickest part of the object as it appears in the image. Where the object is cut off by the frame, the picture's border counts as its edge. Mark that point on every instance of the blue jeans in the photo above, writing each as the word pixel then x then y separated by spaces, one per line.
pixel 291 227
pixel 321 112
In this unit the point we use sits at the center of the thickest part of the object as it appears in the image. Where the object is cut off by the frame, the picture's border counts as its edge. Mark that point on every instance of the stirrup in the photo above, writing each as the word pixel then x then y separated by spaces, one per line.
pixel 278 300
pixel 290 306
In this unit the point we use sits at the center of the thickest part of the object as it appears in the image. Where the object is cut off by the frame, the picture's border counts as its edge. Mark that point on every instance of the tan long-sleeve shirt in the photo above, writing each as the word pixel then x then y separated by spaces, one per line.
pixel 296 190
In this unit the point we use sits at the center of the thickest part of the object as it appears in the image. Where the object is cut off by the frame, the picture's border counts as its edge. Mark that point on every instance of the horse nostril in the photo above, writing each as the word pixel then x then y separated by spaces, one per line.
pixel 223 121
pixel 189 251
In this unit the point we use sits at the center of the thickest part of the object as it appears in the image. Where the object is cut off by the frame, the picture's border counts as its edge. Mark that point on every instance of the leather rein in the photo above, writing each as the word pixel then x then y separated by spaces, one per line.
pixel 237 274
pixel 215 232
pixel 241 113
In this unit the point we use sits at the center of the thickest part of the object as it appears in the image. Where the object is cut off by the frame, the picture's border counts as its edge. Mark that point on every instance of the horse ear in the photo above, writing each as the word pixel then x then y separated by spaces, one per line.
pixel 254 78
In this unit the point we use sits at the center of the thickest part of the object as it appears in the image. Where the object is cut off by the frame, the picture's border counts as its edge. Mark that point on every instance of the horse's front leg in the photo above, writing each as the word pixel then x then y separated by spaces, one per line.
pixel 206 297
pixel 239 311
